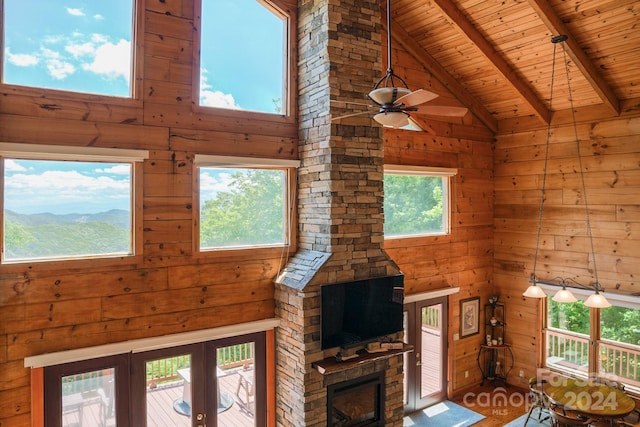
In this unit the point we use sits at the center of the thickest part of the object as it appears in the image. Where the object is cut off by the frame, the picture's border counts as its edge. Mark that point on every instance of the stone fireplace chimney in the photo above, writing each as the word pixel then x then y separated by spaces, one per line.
pixel 340 197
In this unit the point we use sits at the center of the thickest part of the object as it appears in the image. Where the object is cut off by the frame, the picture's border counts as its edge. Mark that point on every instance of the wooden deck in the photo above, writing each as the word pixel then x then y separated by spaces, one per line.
pixel 161 411
pixel 431 362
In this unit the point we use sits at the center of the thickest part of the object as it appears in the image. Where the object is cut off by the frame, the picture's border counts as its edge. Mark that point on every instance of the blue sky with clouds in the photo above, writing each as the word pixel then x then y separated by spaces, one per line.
pixel 85 46
pixel 32 186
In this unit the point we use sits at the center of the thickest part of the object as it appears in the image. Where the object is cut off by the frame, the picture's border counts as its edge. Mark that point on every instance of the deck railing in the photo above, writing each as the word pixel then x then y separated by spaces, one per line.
pixel 163 371
pixel 571 350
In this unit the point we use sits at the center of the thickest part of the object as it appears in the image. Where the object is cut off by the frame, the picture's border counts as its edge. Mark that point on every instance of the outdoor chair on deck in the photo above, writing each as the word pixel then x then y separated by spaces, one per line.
pixel 245 386
pixel 107 397
pixel 538 400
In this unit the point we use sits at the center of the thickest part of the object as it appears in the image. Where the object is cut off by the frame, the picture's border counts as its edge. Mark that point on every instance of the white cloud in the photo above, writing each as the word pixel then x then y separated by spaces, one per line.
pixel 112 60
pixel 66 185
pixel 11 166
pixel 214 98
pixel 80 49
pixel 98 17
pixel 99 38
pixel 60 70
pixel 117 170
pixel 211 185
pixel 21 59
pixel 75 12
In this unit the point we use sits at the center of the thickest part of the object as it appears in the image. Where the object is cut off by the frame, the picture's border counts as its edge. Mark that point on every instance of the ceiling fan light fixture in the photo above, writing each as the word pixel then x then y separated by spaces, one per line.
pixel 393 119
pixel 387 95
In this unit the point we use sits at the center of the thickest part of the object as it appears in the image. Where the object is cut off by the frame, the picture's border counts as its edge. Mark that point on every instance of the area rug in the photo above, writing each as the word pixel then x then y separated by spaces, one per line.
pixel 533 421
pixel 443 414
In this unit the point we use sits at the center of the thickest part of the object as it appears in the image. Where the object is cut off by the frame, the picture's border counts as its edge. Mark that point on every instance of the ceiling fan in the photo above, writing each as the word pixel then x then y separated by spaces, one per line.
pixel 395 103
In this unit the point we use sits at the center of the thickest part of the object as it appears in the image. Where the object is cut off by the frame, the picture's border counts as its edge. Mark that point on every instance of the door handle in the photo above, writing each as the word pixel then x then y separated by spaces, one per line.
pixel 201 417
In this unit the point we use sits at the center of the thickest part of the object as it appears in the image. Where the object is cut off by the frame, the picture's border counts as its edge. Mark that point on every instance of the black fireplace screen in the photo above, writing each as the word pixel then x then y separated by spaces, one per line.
pixel 357 402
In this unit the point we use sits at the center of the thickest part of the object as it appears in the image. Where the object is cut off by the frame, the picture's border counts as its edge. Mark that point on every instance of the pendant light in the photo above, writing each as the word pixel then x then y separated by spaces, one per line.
pixel 564 295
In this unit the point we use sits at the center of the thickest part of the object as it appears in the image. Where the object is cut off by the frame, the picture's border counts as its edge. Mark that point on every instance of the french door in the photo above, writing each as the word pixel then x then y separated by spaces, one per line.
pixel 222 384
pixel 216 383
pixel 425 368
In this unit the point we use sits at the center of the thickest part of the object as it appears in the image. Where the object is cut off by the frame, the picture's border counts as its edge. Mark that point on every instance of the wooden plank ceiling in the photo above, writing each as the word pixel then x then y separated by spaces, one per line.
pixel 495 56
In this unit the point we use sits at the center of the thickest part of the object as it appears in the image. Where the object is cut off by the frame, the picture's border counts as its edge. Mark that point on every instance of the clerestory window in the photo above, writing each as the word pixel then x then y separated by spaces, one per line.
pixel 85 46
pixel 244 56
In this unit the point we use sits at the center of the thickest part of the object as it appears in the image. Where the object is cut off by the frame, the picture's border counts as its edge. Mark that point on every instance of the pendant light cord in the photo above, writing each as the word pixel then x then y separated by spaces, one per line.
pixel 582 180
pixel 544 169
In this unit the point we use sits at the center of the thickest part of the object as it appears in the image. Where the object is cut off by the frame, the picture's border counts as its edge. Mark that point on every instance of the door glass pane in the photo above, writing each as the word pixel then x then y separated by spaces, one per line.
pixel 235 368
pixel 169 390
pixel 88 399
pixel 431 351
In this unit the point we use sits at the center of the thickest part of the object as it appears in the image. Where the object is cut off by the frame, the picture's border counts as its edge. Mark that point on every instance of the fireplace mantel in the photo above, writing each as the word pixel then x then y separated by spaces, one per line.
pixel 330 365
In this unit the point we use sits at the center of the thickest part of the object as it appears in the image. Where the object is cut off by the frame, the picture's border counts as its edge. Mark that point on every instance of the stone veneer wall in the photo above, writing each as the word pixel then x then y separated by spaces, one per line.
pixel 340 196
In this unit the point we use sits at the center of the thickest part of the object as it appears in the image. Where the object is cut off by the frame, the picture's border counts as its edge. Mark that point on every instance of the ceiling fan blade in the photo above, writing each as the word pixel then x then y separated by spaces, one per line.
pixel 413 125
pixel 360 104
pixel 417 97
pixel 333 119
pixel 442 110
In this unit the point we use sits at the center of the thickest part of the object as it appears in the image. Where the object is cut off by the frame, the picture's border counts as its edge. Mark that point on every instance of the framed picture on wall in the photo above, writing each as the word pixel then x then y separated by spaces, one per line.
pixel 469 316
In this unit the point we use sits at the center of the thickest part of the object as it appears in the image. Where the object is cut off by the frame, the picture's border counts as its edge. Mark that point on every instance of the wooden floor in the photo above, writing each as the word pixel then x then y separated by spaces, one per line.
pixel 499 405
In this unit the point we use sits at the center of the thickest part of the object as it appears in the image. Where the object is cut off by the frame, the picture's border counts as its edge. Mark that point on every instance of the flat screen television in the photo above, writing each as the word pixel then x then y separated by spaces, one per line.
pixel 362 311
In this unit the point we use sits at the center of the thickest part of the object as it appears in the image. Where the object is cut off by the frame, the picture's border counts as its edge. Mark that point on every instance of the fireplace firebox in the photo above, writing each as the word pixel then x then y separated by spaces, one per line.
pixel 357 402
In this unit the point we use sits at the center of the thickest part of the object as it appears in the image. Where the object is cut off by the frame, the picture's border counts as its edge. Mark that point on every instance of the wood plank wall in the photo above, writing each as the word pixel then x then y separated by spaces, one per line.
pixel 46 309
pixel 465 257
pixel 610 151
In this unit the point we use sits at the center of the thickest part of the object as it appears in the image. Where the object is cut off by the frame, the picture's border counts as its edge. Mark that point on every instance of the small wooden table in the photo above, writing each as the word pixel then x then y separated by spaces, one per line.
pixel 590 399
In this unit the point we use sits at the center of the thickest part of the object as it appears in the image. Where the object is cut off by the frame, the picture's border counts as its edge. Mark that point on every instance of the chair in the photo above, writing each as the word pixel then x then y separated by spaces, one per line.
pixel 562 418
pixel 245 384
pixel 106 402
pixel 538 400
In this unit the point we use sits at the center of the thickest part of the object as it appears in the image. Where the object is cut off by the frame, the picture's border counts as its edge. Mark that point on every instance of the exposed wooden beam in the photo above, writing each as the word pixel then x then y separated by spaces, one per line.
pixel 584 64
pixel 474 36
pixel 442 75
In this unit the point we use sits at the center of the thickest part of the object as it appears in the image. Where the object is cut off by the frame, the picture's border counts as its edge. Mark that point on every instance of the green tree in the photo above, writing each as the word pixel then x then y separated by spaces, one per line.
pixel 16 236
pixel 569 316
pixel 249 212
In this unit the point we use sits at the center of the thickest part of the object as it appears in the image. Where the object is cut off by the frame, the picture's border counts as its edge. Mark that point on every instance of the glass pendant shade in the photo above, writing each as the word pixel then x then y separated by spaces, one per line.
pixel 388 95
pixel 534 291
pixel 564 295
pixel 596 300
pixel 394 119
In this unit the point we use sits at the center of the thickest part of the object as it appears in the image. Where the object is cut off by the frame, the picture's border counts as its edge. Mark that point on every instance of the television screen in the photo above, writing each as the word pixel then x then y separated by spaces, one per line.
pixel 362 311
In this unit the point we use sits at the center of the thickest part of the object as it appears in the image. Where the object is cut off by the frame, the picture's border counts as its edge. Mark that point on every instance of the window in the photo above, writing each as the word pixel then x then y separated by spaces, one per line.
pixel 416 201
pixel 243 56
pixel 55 209
pixel 617 353
pixel 244 204
pixel 84 46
